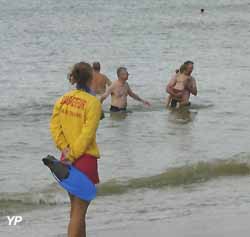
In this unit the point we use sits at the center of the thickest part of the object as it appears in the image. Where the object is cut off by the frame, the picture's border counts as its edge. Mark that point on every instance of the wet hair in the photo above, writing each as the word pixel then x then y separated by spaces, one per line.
pixel 120 69
pixel 96 66
pixel 183 68
pixel 188 62
pixel 81 74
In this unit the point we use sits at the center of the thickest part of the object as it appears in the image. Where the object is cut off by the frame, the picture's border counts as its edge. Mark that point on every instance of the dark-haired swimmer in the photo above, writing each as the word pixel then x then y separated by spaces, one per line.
pixel 100 81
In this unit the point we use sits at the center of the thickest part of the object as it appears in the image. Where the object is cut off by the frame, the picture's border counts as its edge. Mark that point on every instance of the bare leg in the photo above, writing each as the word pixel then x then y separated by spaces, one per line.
pixel 71 208
pixel 168 99
pixel 77 227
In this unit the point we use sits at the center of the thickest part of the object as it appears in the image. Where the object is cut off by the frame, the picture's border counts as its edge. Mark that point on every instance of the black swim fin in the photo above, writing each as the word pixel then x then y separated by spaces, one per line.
pixel 102 115
pixel 60 170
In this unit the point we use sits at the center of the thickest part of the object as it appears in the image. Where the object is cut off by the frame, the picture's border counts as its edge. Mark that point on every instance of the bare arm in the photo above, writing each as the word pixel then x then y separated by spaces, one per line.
pixel 170 87
pixel 193 87
pixel 108 81
pixel 137 97
pixel 133 95
pixel 107 93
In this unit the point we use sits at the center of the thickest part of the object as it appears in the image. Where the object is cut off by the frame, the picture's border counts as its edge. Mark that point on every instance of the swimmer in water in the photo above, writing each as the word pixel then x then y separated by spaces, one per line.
pixel 180 86
pixel 100 82
pixel 177 97
pixel 119 91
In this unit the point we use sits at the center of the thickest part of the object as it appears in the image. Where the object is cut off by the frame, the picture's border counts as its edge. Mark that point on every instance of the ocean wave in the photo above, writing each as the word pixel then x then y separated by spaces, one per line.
pixel 184 175
pixel 172 177
pixel 11 203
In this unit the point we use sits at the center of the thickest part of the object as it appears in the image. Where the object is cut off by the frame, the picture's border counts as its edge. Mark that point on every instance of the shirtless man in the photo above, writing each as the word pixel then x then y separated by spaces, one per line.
pixel 100 82
pixel 191 87
pixel 119 91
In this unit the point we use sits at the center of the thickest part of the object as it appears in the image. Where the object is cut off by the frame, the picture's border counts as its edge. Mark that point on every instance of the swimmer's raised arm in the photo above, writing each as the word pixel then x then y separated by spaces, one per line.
pixel 137 97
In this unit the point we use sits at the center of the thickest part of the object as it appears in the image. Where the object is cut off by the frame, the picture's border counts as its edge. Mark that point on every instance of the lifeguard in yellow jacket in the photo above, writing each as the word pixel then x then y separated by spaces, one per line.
pixel 74 122
pixel 73 126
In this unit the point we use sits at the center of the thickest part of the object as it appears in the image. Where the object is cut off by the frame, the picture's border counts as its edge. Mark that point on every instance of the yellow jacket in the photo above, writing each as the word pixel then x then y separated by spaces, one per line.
pixel 74 122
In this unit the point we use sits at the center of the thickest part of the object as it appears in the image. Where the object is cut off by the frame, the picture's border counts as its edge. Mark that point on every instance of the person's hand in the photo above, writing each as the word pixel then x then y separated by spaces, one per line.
pixel 146 103
pixel 65 155
pixel 67 162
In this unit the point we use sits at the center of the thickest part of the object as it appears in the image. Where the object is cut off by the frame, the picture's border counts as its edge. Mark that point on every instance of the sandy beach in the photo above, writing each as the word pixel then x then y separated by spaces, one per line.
pixel 208 225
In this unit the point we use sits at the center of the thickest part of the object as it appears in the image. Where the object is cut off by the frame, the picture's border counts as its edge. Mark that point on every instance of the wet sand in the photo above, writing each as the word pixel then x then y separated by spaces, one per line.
pixel 189 226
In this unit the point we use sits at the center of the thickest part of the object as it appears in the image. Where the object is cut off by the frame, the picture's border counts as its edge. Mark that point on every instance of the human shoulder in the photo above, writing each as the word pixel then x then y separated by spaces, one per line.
pixel 126 84
pixel 95 74
pixel 114 84
pixel 103 75
pixel 108 81
pixel 192 78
